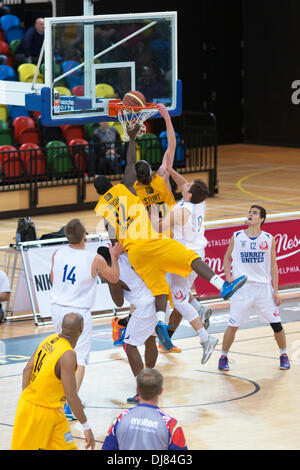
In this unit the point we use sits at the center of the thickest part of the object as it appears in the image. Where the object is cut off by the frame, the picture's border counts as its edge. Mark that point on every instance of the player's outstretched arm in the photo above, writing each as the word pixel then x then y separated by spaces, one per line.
pixel 168 158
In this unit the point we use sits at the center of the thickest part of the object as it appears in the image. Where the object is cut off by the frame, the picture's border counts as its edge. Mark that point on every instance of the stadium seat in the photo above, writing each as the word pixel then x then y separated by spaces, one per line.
pixel 179 157
pixel 77 148
pixel 14 44
pixel 12 169
pixel 4 126
pixel 7 151
pixel 151 149
pixel 3 59
pixel 63 91
pixel 33 159
pixel 75 78
pixel 29 149
pixel 78 90
pixel 6 137
pixel 26 73
pixel 7 73
pixel 3 112
pixel 6 21
pixel 14 32
pixel 4 48
pixel 89 129
pixel 72 132
pixel 22 122
pixel 104 90
pixel 59 159
pixel 15 111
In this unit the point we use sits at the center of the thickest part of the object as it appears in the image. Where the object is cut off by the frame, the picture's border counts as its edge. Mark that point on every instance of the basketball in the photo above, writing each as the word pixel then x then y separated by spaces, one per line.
pixel 134 98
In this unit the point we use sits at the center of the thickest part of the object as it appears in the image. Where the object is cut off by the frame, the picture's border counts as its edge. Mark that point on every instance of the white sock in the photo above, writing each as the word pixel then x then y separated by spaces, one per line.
pixel 283 351
pixel 202 333
pixel 217 281
pixel 224 353
pixel 161 316
pixel 195 303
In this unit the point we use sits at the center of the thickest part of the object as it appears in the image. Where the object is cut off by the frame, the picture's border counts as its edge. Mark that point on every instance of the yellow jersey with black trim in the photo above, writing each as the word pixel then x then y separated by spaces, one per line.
pixel 157 192
pixel 45 389
pixel 127 215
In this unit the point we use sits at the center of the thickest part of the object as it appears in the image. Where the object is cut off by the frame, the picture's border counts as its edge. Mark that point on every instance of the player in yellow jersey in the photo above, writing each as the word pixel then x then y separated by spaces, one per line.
pixel 155 189
pixel 151 254
pixel 48 380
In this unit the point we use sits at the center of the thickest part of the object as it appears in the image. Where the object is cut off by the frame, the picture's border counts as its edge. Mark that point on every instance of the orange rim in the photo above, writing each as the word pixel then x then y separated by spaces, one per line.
pixel 116 105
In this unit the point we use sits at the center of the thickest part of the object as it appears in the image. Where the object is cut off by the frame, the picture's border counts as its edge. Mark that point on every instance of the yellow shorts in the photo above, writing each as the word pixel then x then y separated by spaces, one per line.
pixel 37 427
pixel 154 258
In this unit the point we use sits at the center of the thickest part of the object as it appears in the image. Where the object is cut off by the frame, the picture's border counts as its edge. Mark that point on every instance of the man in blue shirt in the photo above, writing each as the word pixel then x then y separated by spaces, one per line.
pixel 145 426
pixel 29 48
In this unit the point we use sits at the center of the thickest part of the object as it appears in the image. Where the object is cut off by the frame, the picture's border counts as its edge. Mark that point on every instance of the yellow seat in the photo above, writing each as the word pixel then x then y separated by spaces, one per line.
pixel 63 91
pixel 104 90
pixel 29 78
pixel 25 71
pixel 3 112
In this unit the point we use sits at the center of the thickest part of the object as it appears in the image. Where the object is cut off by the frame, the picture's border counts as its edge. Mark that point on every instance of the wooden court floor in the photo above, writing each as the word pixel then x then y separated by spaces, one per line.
pixel 255 405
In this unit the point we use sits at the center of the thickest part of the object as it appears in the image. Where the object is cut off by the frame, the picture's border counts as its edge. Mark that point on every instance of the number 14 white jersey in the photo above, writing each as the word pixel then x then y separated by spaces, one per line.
pixel 73 284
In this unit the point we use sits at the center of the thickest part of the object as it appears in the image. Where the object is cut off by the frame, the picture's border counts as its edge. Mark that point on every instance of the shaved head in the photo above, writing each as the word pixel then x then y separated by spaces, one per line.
pixel 72 325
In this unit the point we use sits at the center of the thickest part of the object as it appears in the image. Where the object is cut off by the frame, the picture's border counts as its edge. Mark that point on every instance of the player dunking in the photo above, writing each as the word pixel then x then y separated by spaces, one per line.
pixel 127 221
pixel 253 252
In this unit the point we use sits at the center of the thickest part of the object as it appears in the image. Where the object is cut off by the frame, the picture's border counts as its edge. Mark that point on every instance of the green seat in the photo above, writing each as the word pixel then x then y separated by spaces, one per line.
pixel 14 44
pixel 4 125
pixel 6 137
pixel 59 159
pixel 89 129
pixel 151 150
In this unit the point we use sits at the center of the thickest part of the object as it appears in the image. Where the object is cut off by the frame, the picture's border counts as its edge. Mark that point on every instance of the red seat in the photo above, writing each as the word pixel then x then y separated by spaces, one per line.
pixel 76 148
pixel 20 123
pixel 72 132
pixel 31 136
pixel 30 149
pixel 6 151
pixel 12 168
pixel 4 48
pixel 36 165
pixel 78 90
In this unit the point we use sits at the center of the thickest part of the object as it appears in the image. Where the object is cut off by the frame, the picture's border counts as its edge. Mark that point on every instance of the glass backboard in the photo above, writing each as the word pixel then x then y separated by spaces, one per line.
pixel 90 60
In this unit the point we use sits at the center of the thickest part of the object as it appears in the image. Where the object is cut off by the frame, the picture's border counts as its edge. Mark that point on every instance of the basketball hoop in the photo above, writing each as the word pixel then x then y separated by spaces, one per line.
pixel 129 117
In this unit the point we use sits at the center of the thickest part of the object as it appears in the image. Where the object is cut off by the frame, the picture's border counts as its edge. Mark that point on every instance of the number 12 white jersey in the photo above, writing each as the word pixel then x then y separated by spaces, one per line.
pixel 73 284
pixel 252 256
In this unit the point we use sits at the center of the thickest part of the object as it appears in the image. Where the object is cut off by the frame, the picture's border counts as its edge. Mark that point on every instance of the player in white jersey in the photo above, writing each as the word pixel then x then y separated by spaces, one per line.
pixel 140 329
pixel 74 276
pixel 253 252
pixel 187 225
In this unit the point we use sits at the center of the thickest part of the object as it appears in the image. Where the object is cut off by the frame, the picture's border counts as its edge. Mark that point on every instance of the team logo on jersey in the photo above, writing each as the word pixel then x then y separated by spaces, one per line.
pixel 108 196
pixel 149 190
pixel 179 295
pixel 263 246
pixel 243 243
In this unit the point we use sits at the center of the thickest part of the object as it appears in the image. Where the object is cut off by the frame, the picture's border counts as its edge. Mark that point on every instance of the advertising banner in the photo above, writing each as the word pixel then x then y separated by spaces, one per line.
pixel 287 238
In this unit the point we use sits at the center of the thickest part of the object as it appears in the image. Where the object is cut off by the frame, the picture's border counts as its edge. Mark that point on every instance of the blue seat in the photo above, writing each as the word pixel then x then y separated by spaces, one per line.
pixel 16 111
pixel 14 32
pixel 179 158
pixel 75 78
pixel 8 73
pixel 7 21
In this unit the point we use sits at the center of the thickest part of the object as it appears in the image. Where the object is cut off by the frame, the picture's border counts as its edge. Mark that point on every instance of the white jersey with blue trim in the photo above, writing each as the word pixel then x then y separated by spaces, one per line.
pixel 73 284
pixel 139 293
pixel 191 234
pixel 252 256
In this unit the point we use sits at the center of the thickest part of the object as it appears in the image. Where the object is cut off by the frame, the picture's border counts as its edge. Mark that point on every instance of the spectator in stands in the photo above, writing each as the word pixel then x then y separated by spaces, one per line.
pixel 5 291
pixel 108 146
pixel 29 49
pixel 4 9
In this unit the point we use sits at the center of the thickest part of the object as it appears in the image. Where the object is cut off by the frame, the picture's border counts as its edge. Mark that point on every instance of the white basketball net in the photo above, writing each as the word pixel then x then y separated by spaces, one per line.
pixel 130 119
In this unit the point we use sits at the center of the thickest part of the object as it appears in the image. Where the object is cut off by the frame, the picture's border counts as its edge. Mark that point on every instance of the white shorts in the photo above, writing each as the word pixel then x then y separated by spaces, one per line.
pixel 253 297
pixel 84 342
pixel 141 325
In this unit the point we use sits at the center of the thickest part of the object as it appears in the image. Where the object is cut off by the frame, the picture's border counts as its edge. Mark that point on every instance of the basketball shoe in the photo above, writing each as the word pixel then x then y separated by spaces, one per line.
pixel 163 335
pixel 229 288
pixel 135 399
pixel 208 348
pixel 284 362
pixel 223 363
pixel 118 332
pixel 174 349
pixel 204 314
